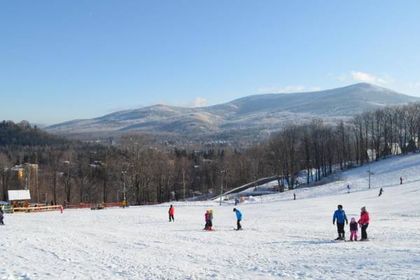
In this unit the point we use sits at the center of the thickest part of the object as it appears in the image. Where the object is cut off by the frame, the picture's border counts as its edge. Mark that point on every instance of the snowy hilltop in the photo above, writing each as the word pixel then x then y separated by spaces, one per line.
pixel 255 114
pixel 281 238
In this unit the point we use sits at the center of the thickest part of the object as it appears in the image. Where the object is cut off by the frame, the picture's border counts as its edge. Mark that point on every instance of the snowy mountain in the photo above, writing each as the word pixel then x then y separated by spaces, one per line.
pixel 250 115
pixel 281 238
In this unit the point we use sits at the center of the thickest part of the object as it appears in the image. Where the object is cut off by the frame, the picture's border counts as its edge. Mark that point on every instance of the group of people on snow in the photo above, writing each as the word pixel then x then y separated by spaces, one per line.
pixel 340 219
pixel 208 218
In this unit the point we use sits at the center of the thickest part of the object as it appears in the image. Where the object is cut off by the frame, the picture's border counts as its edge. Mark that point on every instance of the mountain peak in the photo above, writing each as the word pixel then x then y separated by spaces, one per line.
pixel 247 116
pixel 368 86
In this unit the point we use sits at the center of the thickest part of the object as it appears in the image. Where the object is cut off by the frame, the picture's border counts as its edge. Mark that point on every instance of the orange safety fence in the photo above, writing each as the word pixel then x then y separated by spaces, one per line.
pixel 90 205
pixel 113 204
pixel 39 208
pixel 80 205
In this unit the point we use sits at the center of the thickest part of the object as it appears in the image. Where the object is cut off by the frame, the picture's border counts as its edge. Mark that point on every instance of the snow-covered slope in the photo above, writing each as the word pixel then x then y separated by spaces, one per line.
pixel 282 238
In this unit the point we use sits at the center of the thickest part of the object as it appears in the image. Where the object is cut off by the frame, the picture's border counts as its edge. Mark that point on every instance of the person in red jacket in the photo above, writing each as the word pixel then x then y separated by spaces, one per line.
pixel 364 223
pixel 171 213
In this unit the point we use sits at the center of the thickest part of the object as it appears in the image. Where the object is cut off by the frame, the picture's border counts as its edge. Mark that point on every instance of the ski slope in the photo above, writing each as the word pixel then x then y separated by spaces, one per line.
pixel 282 238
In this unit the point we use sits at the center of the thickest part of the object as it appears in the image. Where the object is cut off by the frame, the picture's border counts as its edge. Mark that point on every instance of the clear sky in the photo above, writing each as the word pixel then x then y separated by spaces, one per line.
pixel 62 60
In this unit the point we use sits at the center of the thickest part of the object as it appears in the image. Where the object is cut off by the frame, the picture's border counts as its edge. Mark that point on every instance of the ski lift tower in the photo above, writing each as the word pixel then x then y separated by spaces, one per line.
pixel 370 174
pixel 372 155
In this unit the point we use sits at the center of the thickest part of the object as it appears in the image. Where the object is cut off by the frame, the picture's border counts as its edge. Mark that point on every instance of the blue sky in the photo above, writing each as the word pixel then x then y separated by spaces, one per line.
pixel 62 60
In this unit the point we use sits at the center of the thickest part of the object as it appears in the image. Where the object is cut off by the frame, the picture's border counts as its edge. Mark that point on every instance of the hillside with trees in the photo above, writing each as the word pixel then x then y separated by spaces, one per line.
pixel 23 134
pixel 74 172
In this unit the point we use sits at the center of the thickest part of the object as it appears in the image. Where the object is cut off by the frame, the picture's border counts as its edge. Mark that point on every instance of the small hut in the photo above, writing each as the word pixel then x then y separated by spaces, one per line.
pixel 19 198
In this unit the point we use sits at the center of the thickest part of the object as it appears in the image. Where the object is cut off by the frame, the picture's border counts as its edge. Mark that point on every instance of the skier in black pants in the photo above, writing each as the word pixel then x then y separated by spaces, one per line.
pixel 364 222
pixel 238 218
pixel 1 217
pixel 340 217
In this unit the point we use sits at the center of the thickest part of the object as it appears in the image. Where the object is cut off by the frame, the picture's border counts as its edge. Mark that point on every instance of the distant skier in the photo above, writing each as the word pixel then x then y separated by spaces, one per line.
pixel 171 213
pixel 238 218
pixel 353 229
pixel 364 223
pixel 1 217
pixel 348 188
pixel 236 201
pixel 380 191
pixel 340 217
pixel 208 216
pixel 294 196
pixel 401 180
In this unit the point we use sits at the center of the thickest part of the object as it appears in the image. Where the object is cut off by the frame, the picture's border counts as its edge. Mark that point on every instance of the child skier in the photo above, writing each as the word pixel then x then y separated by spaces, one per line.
pixel 238 218
pixel 171 213
pixel 1 217
pixel 353 229
pixel 340 217
pixel 208 216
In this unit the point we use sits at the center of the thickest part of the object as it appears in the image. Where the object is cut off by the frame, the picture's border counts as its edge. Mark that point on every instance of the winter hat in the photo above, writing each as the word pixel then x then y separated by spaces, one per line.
pixel 353 219
pixel 234 209
pixel 363 208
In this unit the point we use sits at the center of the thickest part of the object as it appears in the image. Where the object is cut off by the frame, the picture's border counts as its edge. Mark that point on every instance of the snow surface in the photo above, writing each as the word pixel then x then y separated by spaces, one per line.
pixel 282 238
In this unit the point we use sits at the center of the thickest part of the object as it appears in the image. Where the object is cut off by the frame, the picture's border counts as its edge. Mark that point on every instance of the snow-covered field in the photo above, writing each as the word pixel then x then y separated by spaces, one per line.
pixel 282 238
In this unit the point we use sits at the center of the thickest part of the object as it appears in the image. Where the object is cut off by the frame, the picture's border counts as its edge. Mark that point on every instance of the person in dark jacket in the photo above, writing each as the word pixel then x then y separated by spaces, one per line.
pixel 238 218
pixel 353 229
pixel 341 218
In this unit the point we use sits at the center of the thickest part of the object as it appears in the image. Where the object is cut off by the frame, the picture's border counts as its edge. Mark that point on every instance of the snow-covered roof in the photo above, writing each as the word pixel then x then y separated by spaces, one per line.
pixel 19 195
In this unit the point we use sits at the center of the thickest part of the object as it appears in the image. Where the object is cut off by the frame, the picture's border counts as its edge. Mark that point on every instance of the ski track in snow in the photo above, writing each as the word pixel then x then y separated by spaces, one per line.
pixel 282 238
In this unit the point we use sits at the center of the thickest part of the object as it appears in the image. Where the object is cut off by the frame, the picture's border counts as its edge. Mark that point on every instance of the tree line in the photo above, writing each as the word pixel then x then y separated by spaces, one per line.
pixel 72 172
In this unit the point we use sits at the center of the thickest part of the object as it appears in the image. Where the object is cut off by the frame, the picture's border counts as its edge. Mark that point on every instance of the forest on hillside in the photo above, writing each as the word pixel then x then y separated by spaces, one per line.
pixel 71 172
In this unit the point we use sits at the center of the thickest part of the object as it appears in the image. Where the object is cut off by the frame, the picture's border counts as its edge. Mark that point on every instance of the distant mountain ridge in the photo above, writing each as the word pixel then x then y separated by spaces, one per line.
pixel 253 114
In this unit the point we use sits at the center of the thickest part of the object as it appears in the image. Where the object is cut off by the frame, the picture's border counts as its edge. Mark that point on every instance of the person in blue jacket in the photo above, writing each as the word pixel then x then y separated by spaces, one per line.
pixel 341 218
pixel 238 218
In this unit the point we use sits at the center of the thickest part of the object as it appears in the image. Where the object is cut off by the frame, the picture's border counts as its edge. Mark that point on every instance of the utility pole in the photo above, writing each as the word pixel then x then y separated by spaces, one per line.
pixel 183 181
pixel 124 189
pixel 221 186
pixel 67 182
pixel 370 174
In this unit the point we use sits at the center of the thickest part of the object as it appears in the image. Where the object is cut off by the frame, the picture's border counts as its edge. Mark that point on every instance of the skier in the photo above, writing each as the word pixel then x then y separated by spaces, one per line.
pixel 236 201
pixel 238 218
pixel 380 191
pixel 348 188
pixel 171 213
pixel 294 196
pixel 340 217
pixel 401 180
pixel 1 217
pixel 364 222
pixel 353 229
pixel 208 216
